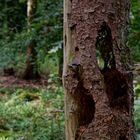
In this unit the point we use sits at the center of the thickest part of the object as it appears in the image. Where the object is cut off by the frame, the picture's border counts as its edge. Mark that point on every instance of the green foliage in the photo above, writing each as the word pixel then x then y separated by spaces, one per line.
pixel 137 109
pixel 10 21
pixel 32 114
pixel 50 63
pixel 13 52
pixel 134 41
pixel 46 30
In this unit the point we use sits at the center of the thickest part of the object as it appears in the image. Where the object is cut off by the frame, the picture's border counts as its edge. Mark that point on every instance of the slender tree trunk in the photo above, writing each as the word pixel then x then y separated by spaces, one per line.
pixel 31 9
pixel 98 98
pixel 31 71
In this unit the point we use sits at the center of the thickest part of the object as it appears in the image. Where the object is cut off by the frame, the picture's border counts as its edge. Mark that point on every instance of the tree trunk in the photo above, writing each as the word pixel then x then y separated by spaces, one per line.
pixel 96 76
pixel 31 9
pixel 31 71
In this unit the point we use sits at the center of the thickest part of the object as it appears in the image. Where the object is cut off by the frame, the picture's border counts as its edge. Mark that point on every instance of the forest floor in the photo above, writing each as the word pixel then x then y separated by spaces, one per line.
pixel 31 109
pixel 14 82
pixel 34 109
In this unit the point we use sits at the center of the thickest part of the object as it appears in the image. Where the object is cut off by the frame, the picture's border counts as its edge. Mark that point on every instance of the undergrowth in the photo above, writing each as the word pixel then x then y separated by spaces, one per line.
pixel 29 114
pixel 38 114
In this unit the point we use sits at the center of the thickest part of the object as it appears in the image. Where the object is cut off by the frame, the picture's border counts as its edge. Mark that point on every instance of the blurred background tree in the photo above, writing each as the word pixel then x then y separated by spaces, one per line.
pixel 45 31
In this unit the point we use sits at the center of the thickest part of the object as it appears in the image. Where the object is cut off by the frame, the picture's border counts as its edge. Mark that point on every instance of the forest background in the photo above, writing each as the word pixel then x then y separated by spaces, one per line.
pixel 31 61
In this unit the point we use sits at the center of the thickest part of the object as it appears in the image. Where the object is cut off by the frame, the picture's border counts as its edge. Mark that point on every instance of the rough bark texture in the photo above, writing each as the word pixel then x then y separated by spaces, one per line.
pixel 98 99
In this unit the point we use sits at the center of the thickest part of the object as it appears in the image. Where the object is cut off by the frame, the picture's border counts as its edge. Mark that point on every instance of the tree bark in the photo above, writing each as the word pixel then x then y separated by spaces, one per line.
pixel 98 98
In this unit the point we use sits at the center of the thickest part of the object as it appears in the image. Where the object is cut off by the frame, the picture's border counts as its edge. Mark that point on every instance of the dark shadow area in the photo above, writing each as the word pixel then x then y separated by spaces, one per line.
pixel 122 138
pixel 116 89
pixel 87 107
pixel 115 82
pixel 104 48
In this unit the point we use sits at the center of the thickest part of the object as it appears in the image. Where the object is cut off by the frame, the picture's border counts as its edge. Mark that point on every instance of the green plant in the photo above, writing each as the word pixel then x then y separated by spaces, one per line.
pixel 134 42
pixel 41 118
